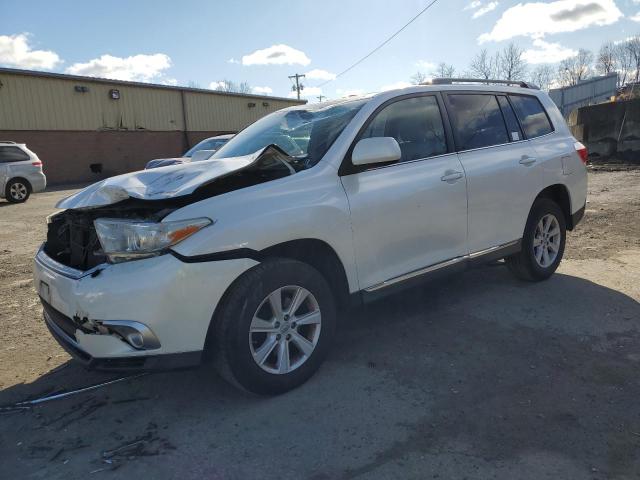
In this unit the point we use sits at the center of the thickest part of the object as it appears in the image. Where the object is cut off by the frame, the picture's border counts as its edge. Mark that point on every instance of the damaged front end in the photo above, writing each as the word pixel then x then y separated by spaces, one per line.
pixel 146 198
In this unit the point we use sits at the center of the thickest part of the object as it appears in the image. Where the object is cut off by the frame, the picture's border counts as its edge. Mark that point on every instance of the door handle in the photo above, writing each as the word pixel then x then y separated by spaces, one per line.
pixel 451 176
pixel 526 160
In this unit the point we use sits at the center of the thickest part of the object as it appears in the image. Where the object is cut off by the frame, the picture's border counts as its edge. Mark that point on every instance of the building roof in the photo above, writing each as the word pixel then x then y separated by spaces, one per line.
pixel 79 78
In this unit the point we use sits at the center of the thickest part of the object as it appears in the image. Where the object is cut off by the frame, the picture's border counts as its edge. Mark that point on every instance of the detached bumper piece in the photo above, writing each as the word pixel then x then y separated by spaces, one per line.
pixel 63 330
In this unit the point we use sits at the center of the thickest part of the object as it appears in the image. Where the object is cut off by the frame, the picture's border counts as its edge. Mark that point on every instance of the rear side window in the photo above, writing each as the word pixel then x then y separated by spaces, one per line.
pixel 415 123
pixel 532 116
pixel 477 121
pixel 515 134
pixel 12 154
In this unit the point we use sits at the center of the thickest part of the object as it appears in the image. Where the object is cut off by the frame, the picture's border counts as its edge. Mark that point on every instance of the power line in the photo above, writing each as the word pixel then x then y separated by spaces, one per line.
pixel 382 44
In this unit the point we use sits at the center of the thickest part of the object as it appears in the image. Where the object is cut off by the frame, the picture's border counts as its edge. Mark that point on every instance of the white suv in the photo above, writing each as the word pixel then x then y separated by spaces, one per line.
pixel 243 260
pixel 20 172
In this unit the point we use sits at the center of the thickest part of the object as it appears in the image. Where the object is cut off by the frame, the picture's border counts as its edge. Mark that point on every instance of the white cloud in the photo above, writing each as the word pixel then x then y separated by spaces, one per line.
pixel 139 68
pixel 276 55
pixel 317 74
pixel 425 65
pixel 546 52
pixel 395 86
pixel 349 92
pixel 262 90
pixel 233 60
pixel 635 18
pixel 473 5
pixel 15 51
pixel 307 92
pixel 216 85
pixel 537 19
pixel 486 9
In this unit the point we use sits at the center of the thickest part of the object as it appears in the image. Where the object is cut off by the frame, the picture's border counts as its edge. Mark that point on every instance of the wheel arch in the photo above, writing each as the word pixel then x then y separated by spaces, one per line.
pixel 560 195
pixel 23 179
pixel 321 256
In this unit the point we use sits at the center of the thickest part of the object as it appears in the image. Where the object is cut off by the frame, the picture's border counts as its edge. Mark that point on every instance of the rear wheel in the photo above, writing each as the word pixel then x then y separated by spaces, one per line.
pixel 542 244
pixel 274 327
pixel 17 191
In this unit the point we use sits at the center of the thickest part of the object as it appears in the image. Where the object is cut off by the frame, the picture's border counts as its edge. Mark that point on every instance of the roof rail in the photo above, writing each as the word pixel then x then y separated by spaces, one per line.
pixel 8 141
pixel 450 81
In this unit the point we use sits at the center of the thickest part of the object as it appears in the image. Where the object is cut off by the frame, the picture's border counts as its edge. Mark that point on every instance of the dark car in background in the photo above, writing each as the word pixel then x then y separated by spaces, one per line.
pixel 201 151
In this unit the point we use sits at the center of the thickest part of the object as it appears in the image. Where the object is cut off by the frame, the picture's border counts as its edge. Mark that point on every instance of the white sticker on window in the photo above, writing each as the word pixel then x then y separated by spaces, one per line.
pixel 515 136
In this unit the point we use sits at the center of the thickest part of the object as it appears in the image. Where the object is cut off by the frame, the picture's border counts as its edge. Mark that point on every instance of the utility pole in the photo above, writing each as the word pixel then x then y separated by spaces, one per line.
pixel 298 87
pixel 320 97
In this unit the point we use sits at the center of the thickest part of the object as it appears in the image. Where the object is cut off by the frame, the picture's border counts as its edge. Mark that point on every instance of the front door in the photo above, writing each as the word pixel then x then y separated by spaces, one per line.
pixel 413 213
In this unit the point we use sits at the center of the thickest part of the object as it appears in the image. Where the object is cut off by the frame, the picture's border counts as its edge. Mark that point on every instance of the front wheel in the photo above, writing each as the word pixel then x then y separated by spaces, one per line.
pixel 542 244
pixel 274 327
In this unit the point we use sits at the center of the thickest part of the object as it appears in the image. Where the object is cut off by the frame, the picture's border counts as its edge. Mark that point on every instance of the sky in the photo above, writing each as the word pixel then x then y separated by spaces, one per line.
pixel 200 43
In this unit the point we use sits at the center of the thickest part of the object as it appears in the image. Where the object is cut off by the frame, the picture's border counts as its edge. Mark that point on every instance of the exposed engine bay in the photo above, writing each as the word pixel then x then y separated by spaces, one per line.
pixel 71 235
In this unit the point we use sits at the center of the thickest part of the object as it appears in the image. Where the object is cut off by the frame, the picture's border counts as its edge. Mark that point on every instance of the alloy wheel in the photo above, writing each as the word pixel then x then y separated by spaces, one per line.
pixel 546 240
pixel 18 191
pixel 285 329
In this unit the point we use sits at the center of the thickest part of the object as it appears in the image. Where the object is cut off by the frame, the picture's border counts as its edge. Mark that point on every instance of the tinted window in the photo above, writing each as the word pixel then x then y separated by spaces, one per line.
pixel 12 154
pixel 510 119
pixel 477 121
pixel 532 116
pixel 415 123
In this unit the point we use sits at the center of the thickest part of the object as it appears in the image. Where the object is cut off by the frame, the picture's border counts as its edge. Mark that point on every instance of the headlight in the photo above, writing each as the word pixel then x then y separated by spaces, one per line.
pixel 123 240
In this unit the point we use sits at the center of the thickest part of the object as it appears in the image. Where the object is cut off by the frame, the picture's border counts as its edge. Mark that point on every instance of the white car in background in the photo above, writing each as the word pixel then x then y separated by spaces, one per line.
pixel 242 260
pixel 20 172
pixel 201 151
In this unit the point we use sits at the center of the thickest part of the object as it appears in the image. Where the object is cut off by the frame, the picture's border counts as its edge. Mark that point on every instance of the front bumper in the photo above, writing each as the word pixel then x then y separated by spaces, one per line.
pixel 170 361
pixel 175 300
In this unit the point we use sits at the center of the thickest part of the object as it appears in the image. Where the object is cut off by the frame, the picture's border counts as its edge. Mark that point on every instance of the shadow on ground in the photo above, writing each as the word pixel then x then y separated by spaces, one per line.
pixel 475 376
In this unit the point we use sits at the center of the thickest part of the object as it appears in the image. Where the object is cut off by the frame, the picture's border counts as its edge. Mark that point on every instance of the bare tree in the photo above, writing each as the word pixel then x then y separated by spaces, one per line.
pixel 244 87
pixel 444 70
pixel 623 61
pixel 230 86
pixel 543 76
pixel 633 47
pixel 574 69
pixel 606 60
pixel 418 78
pixel 484 65
pixel 511 64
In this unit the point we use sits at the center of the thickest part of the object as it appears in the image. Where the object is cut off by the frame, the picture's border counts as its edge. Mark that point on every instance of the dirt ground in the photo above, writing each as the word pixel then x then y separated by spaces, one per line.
pixel 475 376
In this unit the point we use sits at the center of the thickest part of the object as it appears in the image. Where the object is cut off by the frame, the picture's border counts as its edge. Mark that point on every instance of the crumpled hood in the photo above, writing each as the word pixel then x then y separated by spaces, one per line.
pixel 158 183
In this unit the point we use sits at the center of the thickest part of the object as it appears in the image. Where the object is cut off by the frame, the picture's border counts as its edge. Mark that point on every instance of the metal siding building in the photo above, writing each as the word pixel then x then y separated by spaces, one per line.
pixel 587 92
pixel 72 122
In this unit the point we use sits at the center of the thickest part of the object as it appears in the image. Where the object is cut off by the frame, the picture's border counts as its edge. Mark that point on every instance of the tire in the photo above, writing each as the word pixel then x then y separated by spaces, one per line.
pixel 236 349
pixel 530 264
pixel 17 191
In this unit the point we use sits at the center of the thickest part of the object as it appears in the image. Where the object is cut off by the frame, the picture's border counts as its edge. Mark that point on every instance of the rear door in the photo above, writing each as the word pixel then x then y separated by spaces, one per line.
pixel 499 163
pixel 412 213
pixel 14 162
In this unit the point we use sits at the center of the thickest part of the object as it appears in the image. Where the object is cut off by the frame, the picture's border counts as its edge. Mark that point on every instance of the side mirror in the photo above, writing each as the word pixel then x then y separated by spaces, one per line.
pixel 201 155
pixel 376 150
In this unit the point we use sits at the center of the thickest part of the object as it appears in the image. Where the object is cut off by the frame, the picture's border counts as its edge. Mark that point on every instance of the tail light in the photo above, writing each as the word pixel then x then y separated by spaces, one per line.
pixel 582 151
pixel 37 164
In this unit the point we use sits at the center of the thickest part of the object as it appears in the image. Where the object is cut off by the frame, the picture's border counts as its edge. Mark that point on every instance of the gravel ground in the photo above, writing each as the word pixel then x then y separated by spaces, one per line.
pixel 475 376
